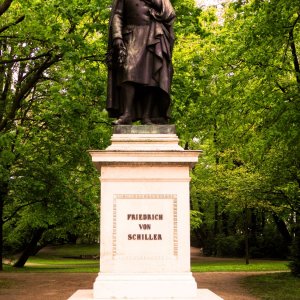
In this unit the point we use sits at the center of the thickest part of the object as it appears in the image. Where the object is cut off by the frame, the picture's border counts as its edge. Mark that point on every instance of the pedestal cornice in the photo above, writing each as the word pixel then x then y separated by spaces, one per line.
pixel 105 157
pixel 152 144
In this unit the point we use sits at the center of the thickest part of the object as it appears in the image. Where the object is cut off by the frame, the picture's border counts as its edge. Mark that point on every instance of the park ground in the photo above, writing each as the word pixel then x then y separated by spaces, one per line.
pixel 60 285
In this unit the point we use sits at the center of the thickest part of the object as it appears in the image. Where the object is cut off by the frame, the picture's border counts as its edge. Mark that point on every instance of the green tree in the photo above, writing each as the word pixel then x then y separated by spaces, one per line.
pixel 51 111
pixel 240 103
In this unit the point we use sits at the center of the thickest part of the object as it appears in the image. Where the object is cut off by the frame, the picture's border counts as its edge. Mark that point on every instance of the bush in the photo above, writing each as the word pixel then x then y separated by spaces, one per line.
pixel 269 245
pixel 224 246
pixel 229 246
pixel 209 248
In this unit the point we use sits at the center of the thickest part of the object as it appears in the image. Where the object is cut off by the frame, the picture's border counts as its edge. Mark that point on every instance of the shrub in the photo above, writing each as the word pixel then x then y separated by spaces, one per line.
pixel 229 246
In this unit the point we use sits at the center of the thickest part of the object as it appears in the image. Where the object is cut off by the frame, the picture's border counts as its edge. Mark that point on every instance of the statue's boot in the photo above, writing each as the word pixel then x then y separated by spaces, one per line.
pixel 128 92
pixel 123 120
pixel 146 120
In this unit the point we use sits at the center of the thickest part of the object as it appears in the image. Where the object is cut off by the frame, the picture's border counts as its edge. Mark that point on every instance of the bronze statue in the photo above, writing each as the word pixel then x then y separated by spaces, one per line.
pixel 141 40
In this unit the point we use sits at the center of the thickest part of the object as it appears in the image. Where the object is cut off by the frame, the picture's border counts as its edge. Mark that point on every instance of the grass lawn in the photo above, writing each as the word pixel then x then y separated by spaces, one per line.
pixel 65 258
pixel 273 286
pixel 240 266
pixel 81 258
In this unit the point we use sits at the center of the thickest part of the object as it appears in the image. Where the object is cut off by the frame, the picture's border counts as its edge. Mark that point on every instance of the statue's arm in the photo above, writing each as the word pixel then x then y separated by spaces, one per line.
pixel 117 22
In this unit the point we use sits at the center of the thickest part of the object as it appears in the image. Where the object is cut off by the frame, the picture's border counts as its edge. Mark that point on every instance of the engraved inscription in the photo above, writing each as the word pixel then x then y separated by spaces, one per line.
pixel 142 227
pixel 144 217
pixel 144 223
pixel 144 237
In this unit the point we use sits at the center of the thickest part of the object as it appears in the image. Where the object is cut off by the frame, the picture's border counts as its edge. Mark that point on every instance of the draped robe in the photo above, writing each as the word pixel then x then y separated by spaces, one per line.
pixel 147 32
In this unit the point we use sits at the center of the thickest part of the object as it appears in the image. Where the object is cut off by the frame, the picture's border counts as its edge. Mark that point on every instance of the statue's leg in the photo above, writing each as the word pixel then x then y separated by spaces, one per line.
pixel 148 106
pixel 127 94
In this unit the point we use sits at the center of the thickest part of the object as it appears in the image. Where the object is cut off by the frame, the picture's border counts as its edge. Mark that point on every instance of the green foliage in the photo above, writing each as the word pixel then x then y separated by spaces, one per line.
pixel 236 90
pixel 52 82
pixel 195 219
pixel 229 246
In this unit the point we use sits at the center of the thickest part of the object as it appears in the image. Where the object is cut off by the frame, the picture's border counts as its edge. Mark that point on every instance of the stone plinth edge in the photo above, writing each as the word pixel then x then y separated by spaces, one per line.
pixel 144 142
pixel 135 286
pixel 144 138
pixel 202 294
pixel 144 129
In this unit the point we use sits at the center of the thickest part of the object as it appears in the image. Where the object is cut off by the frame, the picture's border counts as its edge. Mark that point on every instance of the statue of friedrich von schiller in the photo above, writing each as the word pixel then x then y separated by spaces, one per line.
pixel 140 71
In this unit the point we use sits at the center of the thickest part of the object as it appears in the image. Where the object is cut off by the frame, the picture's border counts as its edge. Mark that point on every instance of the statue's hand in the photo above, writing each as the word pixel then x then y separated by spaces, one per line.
pixel 118 43
pixel 120 52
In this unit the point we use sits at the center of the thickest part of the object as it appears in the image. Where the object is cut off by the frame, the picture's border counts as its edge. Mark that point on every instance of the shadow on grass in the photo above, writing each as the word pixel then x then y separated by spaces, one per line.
pixel 275 286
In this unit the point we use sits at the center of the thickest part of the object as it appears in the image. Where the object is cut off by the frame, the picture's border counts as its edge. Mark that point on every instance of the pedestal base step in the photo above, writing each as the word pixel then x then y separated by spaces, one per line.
pixel 202 294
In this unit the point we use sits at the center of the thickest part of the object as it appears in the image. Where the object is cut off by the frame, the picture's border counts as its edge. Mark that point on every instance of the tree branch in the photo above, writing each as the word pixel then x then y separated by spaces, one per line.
pixel 280 87
pixel 19 20
pixel 100 58
pixel 294 51
pixel 18 209
pixel 26 88
pixel 24 59
pixel 7 84
pixel 4 6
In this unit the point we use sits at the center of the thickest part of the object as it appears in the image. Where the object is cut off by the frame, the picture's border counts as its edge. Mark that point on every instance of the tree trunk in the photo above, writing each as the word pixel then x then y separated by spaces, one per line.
pixel 281 227
pixel 295 258
pixel 3 194
pixel 247 247
pixel 216 221
pixel 294 52
pixel 263 221
pixel 247 255
pixel 224 217
pixel 30 248
pixel 1 231
pixel 253 225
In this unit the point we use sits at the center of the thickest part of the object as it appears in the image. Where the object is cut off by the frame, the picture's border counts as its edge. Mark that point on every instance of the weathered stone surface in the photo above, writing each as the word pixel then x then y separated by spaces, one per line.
pixel 144 129
pixel 202 294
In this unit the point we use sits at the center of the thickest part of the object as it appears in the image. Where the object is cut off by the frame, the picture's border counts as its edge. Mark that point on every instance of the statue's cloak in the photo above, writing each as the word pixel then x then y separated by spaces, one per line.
pixel 159 46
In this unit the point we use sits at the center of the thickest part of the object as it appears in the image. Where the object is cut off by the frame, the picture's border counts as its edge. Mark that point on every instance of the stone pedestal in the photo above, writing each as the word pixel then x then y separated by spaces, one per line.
pixel 145 221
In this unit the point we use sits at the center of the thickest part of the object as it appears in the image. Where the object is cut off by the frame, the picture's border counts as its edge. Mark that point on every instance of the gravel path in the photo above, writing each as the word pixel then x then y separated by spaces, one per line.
pixel 60 286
